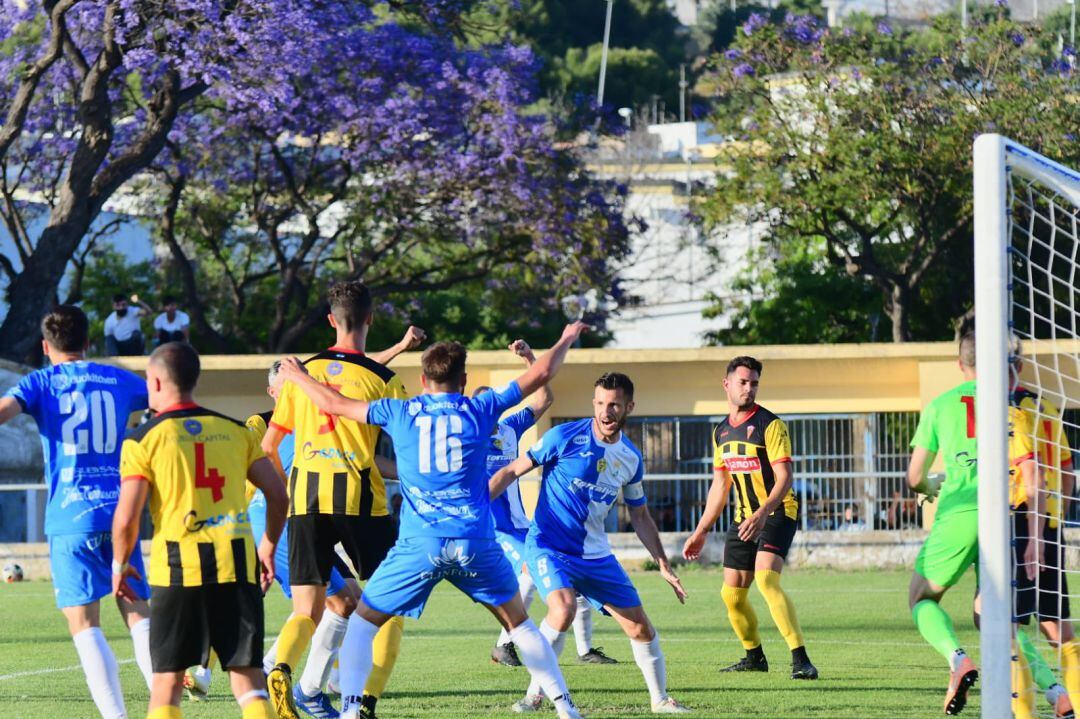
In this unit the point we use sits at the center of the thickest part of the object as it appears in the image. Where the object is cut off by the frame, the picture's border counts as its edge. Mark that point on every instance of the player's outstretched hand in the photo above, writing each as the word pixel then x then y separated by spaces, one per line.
pixel 575 330
pixel 414 336
pixel 671 578
pixel 751 527
pixel 121 588
pixel 522 349
pixel 292 368
pixel 691 551
pixel 266 562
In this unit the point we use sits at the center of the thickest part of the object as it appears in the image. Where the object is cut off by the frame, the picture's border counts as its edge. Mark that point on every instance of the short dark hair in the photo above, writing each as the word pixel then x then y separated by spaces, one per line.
pixel 168 300
pixel 444 362
pixel 743 361
pixel 616 380
pixel 967 348
pixel 119 298
pixel 180 361
pixel 350 303
pixel 66 328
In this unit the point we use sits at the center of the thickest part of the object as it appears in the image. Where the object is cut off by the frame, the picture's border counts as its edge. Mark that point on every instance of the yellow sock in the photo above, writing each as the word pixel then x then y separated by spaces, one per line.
pixel 384 654
pixel 258 709
pixel 166 712
pixel 294 639
pixel 212 658
pixel 1070 667
pixel 741 615
pixel 780 606
pixel 1023 686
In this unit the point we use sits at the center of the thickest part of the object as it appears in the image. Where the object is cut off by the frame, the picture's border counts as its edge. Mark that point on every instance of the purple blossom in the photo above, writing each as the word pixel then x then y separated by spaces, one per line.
pixel 743 70
pixel 883 28
pixel 1001 3
pixel 733 54
pixel 802 28
pixel 1017 38
pixel 755 22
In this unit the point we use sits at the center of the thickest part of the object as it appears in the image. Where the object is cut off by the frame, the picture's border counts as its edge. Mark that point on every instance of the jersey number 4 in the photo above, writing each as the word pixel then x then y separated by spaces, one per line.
pixel 207 480
pixel 447 446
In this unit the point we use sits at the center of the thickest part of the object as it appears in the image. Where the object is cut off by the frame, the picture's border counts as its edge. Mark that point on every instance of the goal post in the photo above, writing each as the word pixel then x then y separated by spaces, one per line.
pixel 1027 286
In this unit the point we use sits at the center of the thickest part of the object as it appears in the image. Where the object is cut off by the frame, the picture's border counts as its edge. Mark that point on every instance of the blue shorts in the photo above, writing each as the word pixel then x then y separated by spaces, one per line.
pixel 403 582
pixel 513 547
pixel 257 517
pixel 602 581
pixel 81 567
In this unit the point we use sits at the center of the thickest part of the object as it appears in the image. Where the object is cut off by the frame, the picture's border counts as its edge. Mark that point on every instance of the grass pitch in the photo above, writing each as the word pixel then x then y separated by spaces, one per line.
pixel 858 632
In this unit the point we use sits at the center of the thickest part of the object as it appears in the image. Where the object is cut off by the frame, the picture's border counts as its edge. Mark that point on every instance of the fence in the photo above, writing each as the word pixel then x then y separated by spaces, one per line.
pixel 849 474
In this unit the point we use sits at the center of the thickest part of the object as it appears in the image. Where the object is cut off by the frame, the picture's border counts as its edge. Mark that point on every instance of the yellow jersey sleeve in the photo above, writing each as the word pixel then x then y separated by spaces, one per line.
pixel 718 455
pixel 777 442
pixel 1021 436
pixel 254 449
pixel 257 424
pixel 395 389
pixel 135 462
pixel 284 417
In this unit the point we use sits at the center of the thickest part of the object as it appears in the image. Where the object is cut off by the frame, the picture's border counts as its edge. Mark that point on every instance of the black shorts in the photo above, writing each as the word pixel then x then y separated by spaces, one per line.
pixel 312 537
pixel 186 622
pixel 1023 586
pixel 776 538
pixel 1053 583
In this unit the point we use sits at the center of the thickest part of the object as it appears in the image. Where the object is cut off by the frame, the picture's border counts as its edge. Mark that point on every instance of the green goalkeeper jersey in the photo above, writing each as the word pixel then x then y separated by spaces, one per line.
pixel 947 427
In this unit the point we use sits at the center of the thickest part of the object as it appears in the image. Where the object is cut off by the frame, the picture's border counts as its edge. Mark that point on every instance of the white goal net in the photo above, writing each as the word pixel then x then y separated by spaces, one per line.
pixel 1027 288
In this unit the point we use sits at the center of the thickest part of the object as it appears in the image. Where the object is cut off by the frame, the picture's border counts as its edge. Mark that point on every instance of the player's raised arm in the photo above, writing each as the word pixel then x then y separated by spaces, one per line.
pixel 545 368
pixel 328 400
pixel 9 409
pixel 414 336
pixel 506 476
pixel 544 396
pixel 714 507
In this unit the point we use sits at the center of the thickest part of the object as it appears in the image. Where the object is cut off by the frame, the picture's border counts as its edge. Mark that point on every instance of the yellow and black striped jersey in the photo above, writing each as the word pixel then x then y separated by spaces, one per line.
pixel 196 462
pixel 333 469
pixel 748 451
pixel 1052 448
pixel 1022 433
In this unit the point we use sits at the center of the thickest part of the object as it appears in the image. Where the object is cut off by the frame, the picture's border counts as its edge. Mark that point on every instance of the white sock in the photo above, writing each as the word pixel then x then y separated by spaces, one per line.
pixel 140 636
pixel 554 639
pixel 270 658
pixel 650 661
pixel 1055 691
pixel 102 672
pixel 583 626
pixel 957 657
pixel 526 590
pixel 324 645
pixel 354 659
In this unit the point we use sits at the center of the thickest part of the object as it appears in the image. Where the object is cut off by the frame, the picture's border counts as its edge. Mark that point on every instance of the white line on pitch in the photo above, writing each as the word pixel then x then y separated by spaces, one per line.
pixel 39 672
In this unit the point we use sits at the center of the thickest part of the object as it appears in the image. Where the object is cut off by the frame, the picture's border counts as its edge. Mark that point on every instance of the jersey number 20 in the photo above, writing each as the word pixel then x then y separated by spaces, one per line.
pixel 100 408
pixel 447 446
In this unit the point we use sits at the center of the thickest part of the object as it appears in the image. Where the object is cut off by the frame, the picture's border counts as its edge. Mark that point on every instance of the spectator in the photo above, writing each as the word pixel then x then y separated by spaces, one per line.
pixel 123 328
pixel 171 325
pixel 851 522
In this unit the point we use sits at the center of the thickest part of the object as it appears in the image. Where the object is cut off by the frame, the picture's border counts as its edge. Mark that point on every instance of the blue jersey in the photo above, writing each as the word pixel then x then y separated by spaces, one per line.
pixel 441 442
pixel 81 409
pixel 257 506
pixel 507 509
pixel 582 479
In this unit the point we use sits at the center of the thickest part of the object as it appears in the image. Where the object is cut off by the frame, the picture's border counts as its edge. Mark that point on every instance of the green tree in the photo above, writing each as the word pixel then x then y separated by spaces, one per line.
pixel 854 147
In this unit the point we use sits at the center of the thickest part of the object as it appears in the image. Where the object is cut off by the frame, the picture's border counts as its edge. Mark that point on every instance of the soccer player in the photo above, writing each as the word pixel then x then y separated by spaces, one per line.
pixel 81 409
pixel 752 451
pixel 586 463
pixel 193 465
pixel 441 439
pixel 336 491
pixel 512 524
pixel 1055 458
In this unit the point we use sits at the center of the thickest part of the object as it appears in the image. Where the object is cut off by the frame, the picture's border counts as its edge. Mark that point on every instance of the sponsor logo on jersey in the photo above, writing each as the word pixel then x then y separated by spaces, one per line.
pixel 193 524
pixel 60 381
pixel 743 464
pixel 193 426
pixel 335 368
pixel 450 562
pixel 581 439
pixel 311 452
pixel 414 408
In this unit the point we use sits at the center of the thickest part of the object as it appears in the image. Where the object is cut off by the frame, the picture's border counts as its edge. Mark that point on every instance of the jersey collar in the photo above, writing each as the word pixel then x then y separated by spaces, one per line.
pixel 345 350
pixel 596 435
pixel 179 407
pixel 746 418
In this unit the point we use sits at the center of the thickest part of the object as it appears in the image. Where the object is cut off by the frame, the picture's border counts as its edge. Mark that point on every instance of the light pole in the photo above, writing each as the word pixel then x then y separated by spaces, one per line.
pixel 603 54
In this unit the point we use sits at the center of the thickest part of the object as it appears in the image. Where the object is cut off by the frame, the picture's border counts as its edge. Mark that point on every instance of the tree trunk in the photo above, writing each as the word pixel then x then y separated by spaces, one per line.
pixel 897 301
pixel 32 292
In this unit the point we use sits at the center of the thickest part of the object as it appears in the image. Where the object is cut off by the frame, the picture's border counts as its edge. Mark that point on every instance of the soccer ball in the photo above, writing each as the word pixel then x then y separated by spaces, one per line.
pixel 13 573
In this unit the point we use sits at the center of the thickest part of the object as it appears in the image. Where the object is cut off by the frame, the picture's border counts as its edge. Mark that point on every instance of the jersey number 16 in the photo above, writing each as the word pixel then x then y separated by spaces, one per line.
pixel 447 446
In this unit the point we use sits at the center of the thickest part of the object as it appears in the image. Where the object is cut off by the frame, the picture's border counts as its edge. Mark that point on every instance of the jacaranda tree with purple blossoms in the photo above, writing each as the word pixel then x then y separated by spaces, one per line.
pixel 854 152
pixel 282 144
